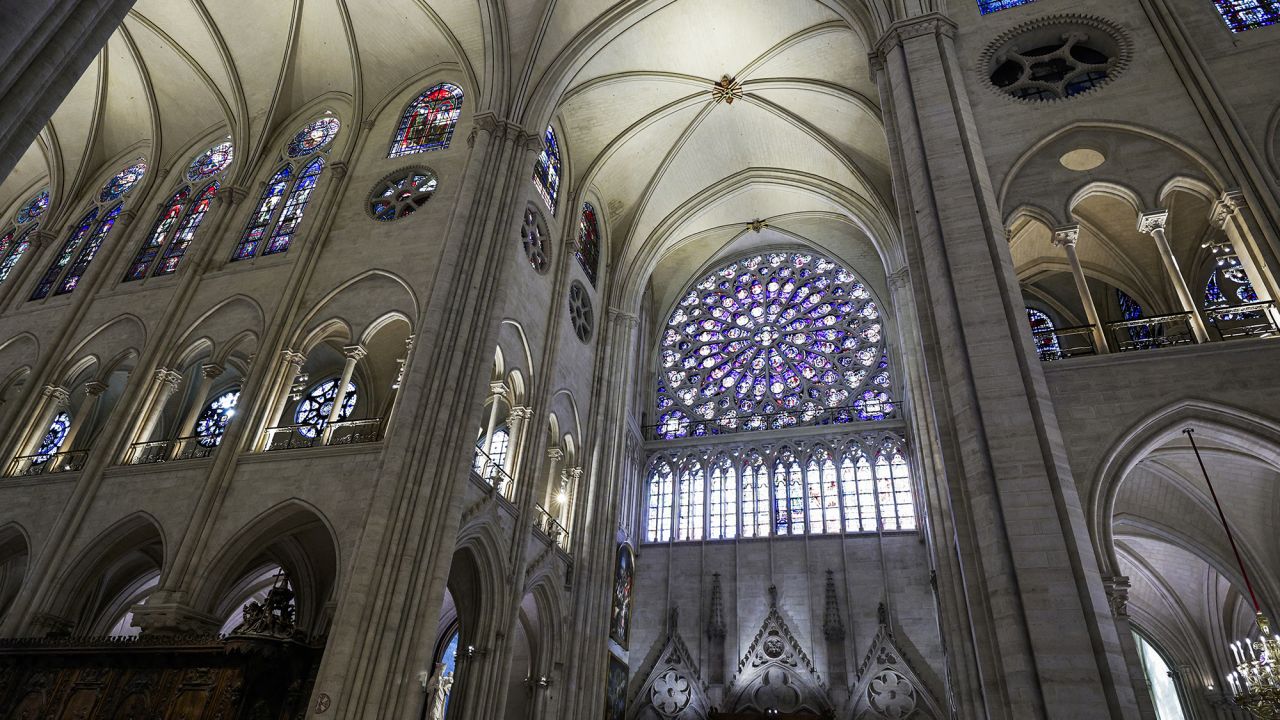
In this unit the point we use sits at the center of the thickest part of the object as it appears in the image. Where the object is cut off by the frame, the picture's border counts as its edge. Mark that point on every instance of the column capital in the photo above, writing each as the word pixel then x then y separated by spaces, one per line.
pixel 1226 207
pixel 1117 589
pixel 919 26
pixel 211 370
pixel 899 279
pixel 169 377
pixel 497 389
pixel 1066 236
pixel 338 169
pixel 94 388
pixel 57 394
pixel 292 358
pixel 1152 221
pixel 520 413
pixel 574 474
pixel 555 453
pixel 355 352
pixel 231 195
pixel 126 217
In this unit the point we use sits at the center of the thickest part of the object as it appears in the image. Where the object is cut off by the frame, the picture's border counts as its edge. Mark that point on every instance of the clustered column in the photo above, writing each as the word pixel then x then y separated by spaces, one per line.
pixel 1066 238
pixel 1153 224
pixel 165 383
pixel 1228 214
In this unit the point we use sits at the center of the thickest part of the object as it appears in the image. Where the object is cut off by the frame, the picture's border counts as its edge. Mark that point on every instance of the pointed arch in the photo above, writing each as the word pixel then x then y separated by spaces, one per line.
pixel 106 576
pixel 428 122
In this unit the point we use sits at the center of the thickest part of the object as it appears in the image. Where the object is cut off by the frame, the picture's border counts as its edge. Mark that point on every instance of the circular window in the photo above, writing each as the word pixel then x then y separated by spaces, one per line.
pixel 533 236
pixel 401 194
pixel 580 311
pixel 1056 58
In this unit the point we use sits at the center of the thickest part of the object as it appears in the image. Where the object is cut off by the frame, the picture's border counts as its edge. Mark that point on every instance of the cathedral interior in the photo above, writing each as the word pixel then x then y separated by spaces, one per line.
pixel 639 359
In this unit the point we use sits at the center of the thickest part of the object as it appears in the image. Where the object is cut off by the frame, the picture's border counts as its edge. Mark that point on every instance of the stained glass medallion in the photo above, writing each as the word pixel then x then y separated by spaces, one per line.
pixel 773 341
pixel 313 412
pixel 33 208
pixel 123 182
pixel 211 161
pixel 1241 15
pixel 314 136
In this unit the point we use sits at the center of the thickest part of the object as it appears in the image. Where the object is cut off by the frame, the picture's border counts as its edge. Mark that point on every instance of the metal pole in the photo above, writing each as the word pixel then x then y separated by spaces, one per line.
pixel 1221 516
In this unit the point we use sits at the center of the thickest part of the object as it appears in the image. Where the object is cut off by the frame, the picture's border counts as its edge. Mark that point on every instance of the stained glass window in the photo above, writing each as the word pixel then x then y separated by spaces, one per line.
pixel 313 411
pixel 722 503
pixel 1241 15
pixel 757 514
pixel 488 466
pixel 122 183
pixel 64 255
pixel 788 495
pixel 658 520
pixel 857 488
pixel 428 122
pixel 773 341
pixel 211 161
pixel 212 421
pixel 546 172
pixel 89 251
pixel 588 247
pixel 52 441
pixel 1042 332
pixel 402 194
pixel 168 220
pixel 823 486
pixel 13 252
pixel 294 207
pixel 260 221
pixel 1141 335
pixel 689 495
pixel 1228 286
pixel 893 484
pixel 314 137
pixel 186 231
pixel 34 207
pixel 990 6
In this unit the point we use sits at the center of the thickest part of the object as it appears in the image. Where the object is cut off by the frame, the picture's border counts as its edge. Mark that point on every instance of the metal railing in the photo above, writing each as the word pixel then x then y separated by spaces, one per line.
pixel 347 432
pixel 33 465
pixel 546 523
pixel 1250 320
pixel 1066 342
pixel 1153 332
pixel 158 451
pixel 864 410
pixel 492 472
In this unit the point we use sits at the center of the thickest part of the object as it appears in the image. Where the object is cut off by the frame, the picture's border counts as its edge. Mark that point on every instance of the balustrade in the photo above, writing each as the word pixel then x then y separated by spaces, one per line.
pixel 547 524
pixel 347 432
pixel 1061 343
pixel 1150 333
pixel 868 409
pixel 47 464
pixel 158 451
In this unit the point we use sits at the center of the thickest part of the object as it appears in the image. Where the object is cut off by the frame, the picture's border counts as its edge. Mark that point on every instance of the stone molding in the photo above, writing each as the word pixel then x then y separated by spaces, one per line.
pixel 1066 236
pixel 895 35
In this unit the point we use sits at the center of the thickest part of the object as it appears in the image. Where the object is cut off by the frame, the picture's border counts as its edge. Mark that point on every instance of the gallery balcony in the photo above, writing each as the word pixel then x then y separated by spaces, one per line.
pixel 347 432
pixel 47 464
pixel 158 451
pixel 876 408
pixel 1253 320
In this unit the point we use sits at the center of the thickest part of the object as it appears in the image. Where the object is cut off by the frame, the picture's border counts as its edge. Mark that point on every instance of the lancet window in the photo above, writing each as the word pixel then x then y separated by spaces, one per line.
pixel 172 234
pixel 73 258
pixel 429 121
pixel 1241 15
pixel 546 171
pixel 1042 331
pixel 864 487
pixel 587 249
pixel 13 246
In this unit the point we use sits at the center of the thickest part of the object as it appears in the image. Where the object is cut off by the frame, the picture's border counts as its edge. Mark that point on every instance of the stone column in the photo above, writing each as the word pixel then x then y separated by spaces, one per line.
pixel 572 486
pixel 208 373
pixel 165 384
pixel 353 353
pixel 92 394
pixel 1153 223
pixel 56 399
pixel 517 421
pixel 497 394
pixel 290 367
pixel 555 483
pixel 1229 214
pixel 1039 640
pixel 1066 238
pixel 1117 589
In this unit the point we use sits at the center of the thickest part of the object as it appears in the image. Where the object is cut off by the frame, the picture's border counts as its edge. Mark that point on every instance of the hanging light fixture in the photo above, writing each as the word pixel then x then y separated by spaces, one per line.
pixel 1255 684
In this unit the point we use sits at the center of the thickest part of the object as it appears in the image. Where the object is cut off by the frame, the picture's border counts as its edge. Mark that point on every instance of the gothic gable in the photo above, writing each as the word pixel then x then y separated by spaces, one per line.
pixel 673 689
pixel 888 686
pixel 775 673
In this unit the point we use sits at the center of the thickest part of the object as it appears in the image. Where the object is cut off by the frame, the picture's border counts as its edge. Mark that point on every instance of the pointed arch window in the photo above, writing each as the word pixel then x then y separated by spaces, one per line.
pixel 756 513
pixel 722 502
pixel 51 443
pixel 1241 15
pixel 857 490
pixel 429 121
pixel 89 251
pixel 260 221
pixel 1142 336
pixel 168 220
pixel 12 247
pixel 1227 287
pixel 893 485
pixel 990 6
pixel 660 507
pixel 1042 332
pixel 173 233
pixel 823 488
pixel 82 230
pixel 294 207
pixel 587 249
pixel 689 495
pixel 546 171
pixel 788 495
pixel 289 192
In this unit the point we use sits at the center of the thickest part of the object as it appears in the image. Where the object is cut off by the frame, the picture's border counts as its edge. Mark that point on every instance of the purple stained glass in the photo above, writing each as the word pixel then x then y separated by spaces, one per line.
pixel 89 251
pixel 314 136
pixel 159 234
pixel 990 6
pixel 33 208
pixel 772 341
pixel 64 255
pixel 260 221
pixel 546 171
pixel 1241 15
pixel 122 183
pixel 211 161
pixel 212 422
pixel 186 231
pixel 294 207
pixel 428 122
pixel 13 253
pixel 53 438
pixel 1227 287
pixel 588 247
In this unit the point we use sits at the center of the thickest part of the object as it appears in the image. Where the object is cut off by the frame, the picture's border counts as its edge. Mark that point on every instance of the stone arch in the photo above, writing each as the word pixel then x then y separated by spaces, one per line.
pixel 15 558
pixel 359 303
pixel 124 334
pixel 225 327
pixel 1117 190
pixel 293 535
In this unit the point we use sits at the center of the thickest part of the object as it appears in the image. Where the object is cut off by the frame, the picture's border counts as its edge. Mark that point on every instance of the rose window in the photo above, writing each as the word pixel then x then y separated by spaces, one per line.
pixel 402 194
pixel 533 235
pixel 772 341
pixel 580 313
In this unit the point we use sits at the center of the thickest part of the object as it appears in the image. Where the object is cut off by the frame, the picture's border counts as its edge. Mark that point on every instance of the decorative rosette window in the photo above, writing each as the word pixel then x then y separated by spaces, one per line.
pixel 773 341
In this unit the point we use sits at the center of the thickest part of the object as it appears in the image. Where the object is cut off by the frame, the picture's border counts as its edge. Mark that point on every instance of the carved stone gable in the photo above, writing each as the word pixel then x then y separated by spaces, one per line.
pixel 888 687
pixel 776 673
pixel 674 688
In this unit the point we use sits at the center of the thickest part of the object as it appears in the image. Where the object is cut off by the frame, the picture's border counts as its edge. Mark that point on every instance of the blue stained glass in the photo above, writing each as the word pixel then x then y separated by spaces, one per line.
pixel 1042 333
pixel 88 252
pixel 64 255
pixel 428 122
pixel 588 247
pixel 186 231
pixel 313 410
pixel 52 441
pixel 294 207
pixel 1239 291
pixel 13 253
pixel 211 161
pixel 261 218
pixel 33 208
pixel 314 137
pixel 151 247
pixel 1241 15
pixel 546 171
pixel 122 183
pixel 1143 335
pixel 212 422
pixel 990 6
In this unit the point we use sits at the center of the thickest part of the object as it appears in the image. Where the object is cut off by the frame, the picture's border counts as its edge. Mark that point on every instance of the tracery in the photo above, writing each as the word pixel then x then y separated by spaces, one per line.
pixel 429 121
pixel 990 6
pixel 289 190
pixel 1241 15
pixel 313 410
pixel 546 171
pixel 1042 332
pixel 51 443
pixel 211 424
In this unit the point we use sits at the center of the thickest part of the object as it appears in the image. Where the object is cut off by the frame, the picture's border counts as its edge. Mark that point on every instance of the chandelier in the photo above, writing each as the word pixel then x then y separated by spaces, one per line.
pixel 1255 684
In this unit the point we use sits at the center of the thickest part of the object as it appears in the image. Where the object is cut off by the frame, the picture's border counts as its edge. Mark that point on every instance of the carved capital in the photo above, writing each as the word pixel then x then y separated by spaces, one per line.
pixel 920 26
pixel 1151 222
pixel 293 358
pixel 555 454
pixel 520 413
pixel 1117 589
pixel 172 379
pixel 126 217
pixel 338 169
pixel 211 370
pixel 1066 236
pixel 59 395
pixel 355 352
pixel 1226 208
pixel 899 279
pixel 497 389
pixel 94 388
